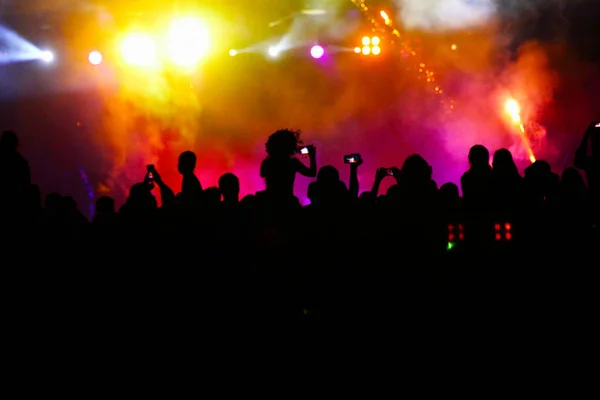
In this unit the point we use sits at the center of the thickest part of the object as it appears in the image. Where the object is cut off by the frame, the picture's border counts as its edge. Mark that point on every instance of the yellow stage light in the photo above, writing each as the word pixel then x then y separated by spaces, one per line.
pixel 138 49
pixel 357 50
pixel 375 50
pixel 366 50
pixel 375 41
pixel 188 41
pixel 366 41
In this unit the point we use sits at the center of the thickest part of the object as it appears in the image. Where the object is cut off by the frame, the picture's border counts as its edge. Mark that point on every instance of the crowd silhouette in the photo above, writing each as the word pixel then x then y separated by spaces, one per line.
pixel 418 249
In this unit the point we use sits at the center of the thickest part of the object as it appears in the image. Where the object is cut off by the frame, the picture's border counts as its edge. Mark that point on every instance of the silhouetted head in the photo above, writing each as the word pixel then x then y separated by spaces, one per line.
pixel 479 156
pixel 538 169
pixel 186 163
pixel 416 169
pixel 212 196
pixel 283 143
pixel 503 163
pixel 69 204
pixel 9 141
pixel 229 184
pixel 141 197
pixel 105 205
pixel 328 175
pixel 571 182
pixel 367 199
pixel 449 192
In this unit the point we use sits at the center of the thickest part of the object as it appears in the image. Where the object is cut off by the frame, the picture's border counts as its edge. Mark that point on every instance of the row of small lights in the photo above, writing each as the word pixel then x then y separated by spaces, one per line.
pixel 425 73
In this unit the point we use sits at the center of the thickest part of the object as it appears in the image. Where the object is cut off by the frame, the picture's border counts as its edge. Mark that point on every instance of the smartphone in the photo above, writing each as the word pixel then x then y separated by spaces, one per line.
pixel 150 170
pixel 304 150
pixel 390 172
pixel 352 158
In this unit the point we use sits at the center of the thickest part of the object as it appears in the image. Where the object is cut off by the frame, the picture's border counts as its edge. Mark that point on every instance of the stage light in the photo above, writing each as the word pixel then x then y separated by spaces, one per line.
pixel 95 57
pixel 139 50
pixel 47 56
pixel 232 52
pixel 188 41
pixel 454 47
pixel 273 51
pixel 317 52
pixel 370 46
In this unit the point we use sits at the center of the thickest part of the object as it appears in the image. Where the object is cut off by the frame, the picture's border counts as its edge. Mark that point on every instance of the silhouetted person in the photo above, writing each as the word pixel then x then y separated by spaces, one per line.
pixel 105 211
pixel 591 164
pixel 280 167
pixel 541 184
pixel 507 185
pixel 211 197
pixel 476 182
pixel 229 184
pixel 14 169
pixel 328 190
pixel 573 192
pixel 190 184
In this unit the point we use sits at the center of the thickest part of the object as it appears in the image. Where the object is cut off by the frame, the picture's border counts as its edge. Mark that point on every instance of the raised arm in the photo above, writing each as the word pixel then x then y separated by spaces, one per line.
pixel 167 196
pixel 353 184
pixel 581 158
pixel 311 170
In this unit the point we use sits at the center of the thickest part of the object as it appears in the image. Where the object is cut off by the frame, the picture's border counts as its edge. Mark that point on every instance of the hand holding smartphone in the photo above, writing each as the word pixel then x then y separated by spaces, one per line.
pixel 150 172
pixel 352 159
pixel 306 150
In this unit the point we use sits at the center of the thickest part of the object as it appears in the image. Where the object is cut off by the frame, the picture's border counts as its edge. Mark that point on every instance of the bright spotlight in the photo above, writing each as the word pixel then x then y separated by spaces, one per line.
pixel 375 41
pixel 366 50
pixel 317 52
pixel 273 51
pixel 47 56
pixel 95 58
pixel 189 41
pixel 357 50
pixel 366 41
pixel 139 49
pixel 376 50
pixel 232 52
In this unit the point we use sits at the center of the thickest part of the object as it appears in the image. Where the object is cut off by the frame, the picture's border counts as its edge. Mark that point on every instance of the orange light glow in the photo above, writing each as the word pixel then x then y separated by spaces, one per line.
pixel 385 17
pixel 513 109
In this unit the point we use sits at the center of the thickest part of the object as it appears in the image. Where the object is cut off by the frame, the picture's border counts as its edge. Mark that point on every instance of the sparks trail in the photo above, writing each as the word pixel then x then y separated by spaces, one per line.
pixel 513 109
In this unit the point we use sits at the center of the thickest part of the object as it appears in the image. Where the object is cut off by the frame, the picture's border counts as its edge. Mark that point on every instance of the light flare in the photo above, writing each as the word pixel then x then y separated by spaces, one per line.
pixel 513 109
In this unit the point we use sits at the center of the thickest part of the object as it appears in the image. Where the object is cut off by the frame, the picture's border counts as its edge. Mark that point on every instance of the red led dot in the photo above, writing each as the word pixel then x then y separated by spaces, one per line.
pixel 461 236
pixel 507 227
pixel 498 236
pixel 451 237
pixel 450 228
pixel 461 227
pixel 497 227
pixel 508 236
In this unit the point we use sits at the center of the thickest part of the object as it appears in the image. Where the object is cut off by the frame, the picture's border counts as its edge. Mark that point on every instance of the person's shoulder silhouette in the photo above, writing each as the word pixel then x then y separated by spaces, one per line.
pixel 14 168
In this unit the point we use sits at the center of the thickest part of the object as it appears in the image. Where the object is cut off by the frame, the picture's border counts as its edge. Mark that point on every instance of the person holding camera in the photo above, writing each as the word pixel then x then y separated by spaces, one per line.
pixel 591 163
pixel 280 166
